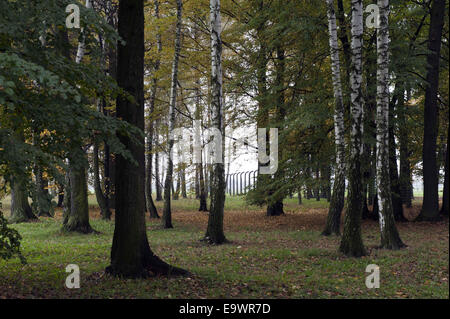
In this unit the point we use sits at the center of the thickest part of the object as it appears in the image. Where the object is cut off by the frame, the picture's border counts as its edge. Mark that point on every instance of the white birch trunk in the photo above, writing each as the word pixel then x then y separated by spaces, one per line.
pixel 338 198
pixel 389 234
pixel 351 243
pixel 214 233
pixel 356 108
pixel 81 45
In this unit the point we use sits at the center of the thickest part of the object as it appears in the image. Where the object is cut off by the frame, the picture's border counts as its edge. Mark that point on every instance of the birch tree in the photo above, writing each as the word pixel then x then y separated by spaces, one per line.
pixel 337 199
pixel 214 233
pixel 167 212
pixel 389 235
pixel 351 243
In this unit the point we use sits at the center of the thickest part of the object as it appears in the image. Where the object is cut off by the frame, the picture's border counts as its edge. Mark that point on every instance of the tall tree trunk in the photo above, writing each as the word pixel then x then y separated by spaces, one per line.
pixel 299 196
pixel 131 255
pixel 318 183
pixel 203 205
pixel 275 204
pixel 262 119
pixel 197 182
pixel 157 177
pixel 150 127
pixel 167 212
pixel 445 199
pixel 20 208
pixel 101 198
pixel 405 178
pixel 78 218
pixel 110 176
pixel 351 243
pixel 42 197
pixel 107 175
pixel 67 197
pixel 183 183
pixel 214 233
pixel 201 179
pixel 326 182
pixel 338 196
pixel 42 203
pixel 60 196
pixel 390 238
pixel 430 206
pixel 397 205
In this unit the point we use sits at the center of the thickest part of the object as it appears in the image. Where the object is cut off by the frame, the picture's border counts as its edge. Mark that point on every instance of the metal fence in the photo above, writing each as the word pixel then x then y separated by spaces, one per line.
pixel 240 183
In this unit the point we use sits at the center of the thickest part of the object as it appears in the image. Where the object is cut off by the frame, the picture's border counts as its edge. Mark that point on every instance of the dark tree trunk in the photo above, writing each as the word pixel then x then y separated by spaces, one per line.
pixel 333 225
pixel 176 194
pixel 396 198
pixel 60 196
pixel 275 209
pixel 110 176
pixel 365 210
pixel 369 159
pixel 150 205
pixel 101 198
pixel 445 199
pixel 167 210
pixel 299 196
pixel 20 208
pixel 326 180
pixel 206 178
pixel 275 205
pixel 197 184
pixel 107 175
pixel 343 36
pixel 405 178
pixel 67 197
pixel 309 193
pixel 214 232
pixel 183 183
pixel 375 215
pixel 430 207
pixel 318 184
pixel 78 218
pixel 203 205
pixel 42 203
pixel 131 255
pixel 157 179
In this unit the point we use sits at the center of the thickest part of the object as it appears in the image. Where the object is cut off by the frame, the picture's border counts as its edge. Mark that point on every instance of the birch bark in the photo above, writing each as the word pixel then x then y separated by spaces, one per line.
pixel 337 199
pixel 351 243
pixel 389 235
pixel 214 232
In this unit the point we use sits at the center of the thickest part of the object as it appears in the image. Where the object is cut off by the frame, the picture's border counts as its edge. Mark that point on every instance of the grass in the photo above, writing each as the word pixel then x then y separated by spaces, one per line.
pixel 268 257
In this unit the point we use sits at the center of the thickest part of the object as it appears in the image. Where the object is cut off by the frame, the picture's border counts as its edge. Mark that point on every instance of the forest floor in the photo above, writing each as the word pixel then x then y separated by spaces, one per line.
pixel 267 257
